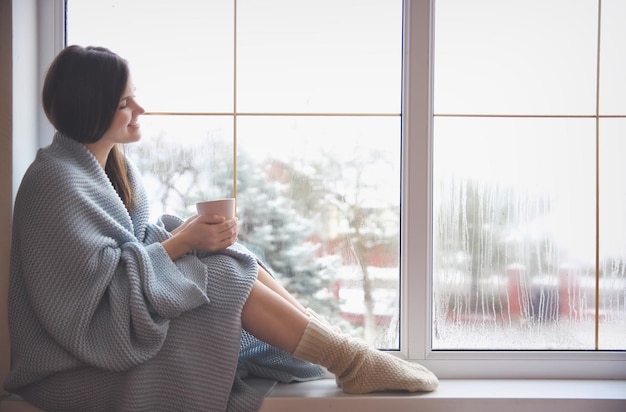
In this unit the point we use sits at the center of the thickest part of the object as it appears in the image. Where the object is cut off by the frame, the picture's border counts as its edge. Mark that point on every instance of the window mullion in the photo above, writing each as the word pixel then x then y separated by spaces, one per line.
pixel 416 217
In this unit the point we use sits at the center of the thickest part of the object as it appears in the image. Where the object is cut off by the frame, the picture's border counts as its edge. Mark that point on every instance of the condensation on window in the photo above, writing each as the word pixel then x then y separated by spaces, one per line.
pixel 529 233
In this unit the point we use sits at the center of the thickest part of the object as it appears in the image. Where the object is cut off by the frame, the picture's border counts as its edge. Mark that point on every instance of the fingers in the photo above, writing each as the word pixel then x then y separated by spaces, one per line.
pixel 225 239
pixel 218 235
pixel 211 219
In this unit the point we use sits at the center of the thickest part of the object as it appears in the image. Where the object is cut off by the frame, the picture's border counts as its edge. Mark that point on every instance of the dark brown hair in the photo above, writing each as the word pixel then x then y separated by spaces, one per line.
pixel 81 93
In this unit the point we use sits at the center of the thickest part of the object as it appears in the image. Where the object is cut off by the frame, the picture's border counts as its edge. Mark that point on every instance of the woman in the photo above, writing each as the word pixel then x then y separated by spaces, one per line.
pixel 110 312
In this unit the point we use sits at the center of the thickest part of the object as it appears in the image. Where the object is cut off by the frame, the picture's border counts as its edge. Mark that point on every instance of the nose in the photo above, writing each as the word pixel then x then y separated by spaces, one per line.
pixel 138 108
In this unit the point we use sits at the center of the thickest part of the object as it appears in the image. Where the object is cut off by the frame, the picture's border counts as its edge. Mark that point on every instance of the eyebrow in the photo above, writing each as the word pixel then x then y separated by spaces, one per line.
pixel 130 95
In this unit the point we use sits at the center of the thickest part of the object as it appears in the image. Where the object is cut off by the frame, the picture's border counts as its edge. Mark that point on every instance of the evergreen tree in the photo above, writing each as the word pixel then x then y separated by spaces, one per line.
pixel 277 223
pixel 275 212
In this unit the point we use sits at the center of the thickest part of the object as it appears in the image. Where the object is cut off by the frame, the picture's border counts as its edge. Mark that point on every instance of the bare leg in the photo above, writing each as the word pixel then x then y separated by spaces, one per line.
pixel 272 318
pixel 273 284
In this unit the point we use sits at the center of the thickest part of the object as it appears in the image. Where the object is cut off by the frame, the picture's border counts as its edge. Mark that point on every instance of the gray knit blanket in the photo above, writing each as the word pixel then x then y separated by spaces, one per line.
pixel 101 319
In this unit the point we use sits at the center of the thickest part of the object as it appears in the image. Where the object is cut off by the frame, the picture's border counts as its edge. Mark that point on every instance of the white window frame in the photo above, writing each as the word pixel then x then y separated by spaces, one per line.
pixel 417 245
pixel 416 232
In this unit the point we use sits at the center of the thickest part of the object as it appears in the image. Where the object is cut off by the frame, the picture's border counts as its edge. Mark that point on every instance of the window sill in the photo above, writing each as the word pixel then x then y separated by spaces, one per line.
pixel 458 394
pixel 467 395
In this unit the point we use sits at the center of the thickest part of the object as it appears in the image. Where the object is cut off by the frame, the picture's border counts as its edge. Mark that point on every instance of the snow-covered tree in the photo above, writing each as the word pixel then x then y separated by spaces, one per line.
pixel 275 211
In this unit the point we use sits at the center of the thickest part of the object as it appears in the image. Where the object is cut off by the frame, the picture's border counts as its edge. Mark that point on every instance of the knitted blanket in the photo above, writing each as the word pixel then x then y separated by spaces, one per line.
pixel 101 318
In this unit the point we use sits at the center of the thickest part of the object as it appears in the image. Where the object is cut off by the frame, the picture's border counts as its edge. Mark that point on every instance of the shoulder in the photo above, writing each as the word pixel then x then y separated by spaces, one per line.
pixel 62 157
pixel 42 175
pixel 51 167
pixel 61 174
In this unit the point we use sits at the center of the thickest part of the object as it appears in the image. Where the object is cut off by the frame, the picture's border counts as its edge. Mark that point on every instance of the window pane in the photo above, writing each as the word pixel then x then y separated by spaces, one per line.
pixel 181 53
pixel 318 197
pixel 514 233
pixel 612 303
pixel 327 192
pixel 613 58
pixel 184 159
pixel 515 57
pixel 325 56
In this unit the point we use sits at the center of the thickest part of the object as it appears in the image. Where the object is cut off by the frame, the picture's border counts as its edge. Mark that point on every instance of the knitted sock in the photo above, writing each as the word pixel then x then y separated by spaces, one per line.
pixel 358 367
pixel 313 314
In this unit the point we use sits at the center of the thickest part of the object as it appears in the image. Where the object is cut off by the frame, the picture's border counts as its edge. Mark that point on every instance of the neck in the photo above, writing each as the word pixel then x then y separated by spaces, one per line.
pixel 100 151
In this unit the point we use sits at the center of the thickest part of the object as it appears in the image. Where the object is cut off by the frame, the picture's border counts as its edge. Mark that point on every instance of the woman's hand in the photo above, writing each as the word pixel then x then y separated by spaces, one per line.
pixel 184 224
pixel 204 233
pixel 210 233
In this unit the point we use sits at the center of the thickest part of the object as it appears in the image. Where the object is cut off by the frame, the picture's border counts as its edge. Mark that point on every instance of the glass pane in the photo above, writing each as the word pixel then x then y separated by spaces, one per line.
pixel 514 233
pixel 612 291
pixel 324 56
pixel 613 58
pixel 320 198
pixel 184 159
pixel 180 53
pixel 515 57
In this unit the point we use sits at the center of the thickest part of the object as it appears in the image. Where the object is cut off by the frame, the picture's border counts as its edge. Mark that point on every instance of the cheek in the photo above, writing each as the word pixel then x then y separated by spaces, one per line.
pixel 121 120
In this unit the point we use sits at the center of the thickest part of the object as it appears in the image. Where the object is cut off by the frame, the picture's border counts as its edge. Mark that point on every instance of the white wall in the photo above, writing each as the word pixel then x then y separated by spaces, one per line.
pixel 25 86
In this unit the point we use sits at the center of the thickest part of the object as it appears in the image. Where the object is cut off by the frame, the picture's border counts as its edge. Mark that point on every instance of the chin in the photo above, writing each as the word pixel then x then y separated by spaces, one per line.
pixel 135 137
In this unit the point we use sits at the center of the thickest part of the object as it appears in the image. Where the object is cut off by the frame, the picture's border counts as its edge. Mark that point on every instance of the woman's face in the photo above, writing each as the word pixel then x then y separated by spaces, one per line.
pixel 125 125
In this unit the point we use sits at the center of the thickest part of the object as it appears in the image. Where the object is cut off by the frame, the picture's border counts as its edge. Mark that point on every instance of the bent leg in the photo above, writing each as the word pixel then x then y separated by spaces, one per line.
pixel 273 318
pixel 273 284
